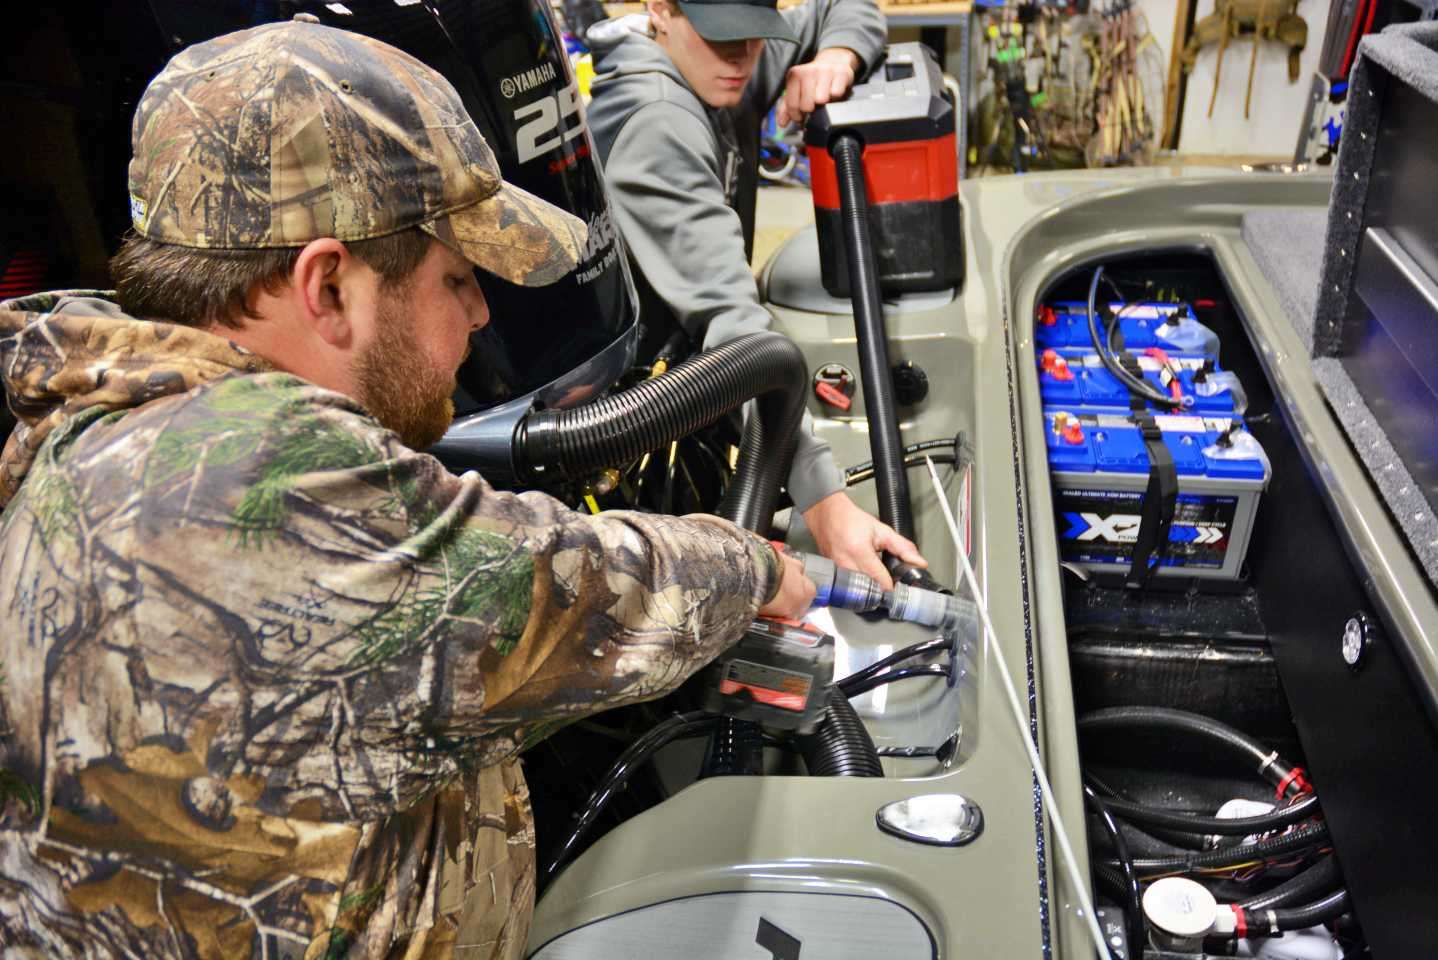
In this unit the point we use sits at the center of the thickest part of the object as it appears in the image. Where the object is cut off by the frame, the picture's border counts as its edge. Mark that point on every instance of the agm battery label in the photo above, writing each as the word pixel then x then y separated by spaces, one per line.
pixel 1101 526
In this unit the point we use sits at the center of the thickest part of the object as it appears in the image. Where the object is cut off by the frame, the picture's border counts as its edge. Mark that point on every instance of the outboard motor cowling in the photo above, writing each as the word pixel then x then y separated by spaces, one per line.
pixel 552 346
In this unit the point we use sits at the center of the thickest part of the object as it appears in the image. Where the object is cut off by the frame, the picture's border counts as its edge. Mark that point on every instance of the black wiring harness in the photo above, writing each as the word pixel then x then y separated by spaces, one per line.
pixel 1294 831
pixel 1106 353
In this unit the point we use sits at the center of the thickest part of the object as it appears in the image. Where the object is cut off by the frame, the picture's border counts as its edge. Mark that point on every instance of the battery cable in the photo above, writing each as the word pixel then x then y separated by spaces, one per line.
pixel 1134 384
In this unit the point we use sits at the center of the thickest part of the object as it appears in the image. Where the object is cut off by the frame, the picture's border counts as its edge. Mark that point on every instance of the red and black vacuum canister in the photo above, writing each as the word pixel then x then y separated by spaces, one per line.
pixel 906 127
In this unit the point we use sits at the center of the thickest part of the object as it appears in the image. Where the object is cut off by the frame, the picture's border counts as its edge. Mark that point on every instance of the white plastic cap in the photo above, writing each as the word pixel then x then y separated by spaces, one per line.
pixel 1180 907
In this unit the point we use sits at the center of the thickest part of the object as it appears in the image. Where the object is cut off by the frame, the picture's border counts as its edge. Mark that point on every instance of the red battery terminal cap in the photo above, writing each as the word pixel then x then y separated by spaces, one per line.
pixel 1056 366
pixel 832 395
pixel 1047 317
pixel 1067 426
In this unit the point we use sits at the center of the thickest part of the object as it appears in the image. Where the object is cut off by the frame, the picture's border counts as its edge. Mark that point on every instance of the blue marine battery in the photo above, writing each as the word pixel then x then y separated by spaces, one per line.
pixel 1099 469
pixel 1078 378
pixel 1169 326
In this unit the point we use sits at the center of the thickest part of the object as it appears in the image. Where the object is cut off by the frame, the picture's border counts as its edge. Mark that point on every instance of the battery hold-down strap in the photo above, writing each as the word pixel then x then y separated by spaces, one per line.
pixel 1159 502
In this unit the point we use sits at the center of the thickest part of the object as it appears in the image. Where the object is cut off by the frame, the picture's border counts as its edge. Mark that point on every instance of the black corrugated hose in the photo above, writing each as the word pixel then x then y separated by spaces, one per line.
pixel 619 428
pixel 890 479
pixel 840 746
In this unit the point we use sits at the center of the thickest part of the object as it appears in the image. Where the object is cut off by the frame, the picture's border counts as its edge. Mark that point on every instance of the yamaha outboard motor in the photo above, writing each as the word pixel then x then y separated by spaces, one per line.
pixel 552 346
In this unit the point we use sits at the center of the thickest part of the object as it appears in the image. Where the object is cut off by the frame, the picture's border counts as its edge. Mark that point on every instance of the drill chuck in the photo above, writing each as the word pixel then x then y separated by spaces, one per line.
pixel 851 590
pixel 837 587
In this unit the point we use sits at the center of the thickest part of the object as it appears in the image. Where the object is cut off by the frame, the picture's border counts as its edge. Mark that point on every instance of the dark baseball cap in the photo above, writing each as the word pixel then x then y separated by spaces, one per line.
pixel 291 132
pixel 719 22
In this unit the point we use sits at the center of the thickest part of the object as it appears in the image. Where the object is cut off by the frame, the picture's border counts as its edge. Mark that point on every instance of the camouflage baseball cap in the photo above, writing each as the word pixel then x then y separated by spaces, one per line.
pixel 290 132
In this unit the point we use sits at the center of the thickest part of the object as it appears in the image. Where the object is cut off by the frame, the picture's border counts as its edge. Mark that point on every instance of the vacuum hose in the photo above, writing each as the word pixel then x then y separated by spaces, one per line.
pixel 840 746
pixel 890 479
pixel 571 443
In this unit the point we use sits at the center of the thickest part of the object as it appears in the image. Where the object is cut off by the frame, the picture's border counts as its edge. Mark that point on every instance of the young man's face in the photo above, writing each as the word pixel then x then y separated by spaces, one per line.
pixel 406 373
pixel 717 72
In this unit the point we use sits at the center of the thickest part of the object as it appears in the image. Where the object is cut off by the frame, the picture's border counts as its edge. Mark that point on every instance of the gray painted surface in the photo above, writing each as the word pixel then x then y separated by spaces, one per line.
pixel 726 926
pixel 800 834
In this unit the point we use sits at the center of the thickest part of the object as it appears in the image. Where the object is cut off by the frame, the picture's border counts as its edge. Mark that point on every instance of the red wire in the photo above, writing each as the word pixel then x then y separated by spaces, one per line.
pixel 1353 36
pixel 1368 21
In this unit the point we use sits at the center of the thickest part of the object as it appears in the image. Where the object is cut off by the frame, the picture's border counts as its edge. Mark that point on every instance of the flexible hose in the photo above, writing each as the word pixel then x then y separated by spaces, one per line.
pixel 1227 827
pixel 1329 908
pixel 898 656
pixel 840 746
pixel 1267 762
pixel 1322 877
pixel 1300 839
pixel 1173 841
pixel 1273 922
pixel 737 746
pixel 678 727
pixel 855 476
pixel 619 428
pixel 860 687
pixel 1133 908
pixel 910 450
pixel 891 481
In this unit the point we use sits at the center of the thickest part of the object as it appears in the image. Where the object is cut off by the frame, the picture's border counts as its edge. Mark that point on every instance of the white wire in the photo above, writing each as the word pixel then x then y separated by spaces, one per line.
pixel 991 643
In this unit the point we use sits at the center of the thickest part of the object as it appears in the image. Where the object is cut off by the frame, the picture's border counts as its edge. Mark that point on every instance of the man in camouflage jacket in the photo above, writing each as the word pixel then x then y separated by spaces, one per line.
pixel 266 669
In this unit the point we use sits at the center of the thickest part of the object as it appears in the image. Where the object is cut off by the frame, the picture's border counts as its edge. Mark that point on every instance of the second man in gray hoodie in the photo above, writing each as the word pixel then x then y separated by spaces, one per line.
pixel 678 97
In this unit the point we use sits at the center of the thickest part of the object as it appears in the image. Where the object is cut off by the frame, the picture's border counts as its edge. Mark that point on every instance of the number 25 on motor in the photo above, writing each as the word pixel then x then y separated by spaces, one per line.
pixel 543 124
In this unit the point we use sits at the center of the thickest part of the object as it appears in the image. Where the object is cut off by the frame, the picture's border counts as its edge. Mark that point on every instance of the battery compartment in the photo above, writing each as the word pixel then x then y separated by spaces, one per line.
pixel 1195 644
pixel 1232 651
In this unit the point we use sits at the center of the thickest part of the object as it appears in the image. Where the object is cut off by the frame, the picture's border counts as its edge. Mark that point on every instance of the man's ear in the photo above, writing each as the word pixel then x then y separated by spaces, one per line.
pixel 659 13
pixel 322 297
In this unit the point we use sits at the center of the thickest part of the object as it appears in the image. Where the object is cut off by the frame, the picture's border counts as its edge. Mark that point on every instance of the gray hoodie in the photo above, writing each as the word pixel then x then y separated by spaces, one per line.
pixel 674 170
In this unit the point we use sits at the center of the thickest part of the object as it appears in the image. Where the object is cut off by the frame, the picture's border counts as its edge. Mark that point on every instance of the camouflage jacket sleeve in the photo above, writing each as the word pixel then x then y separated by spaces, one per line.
pixel 344 618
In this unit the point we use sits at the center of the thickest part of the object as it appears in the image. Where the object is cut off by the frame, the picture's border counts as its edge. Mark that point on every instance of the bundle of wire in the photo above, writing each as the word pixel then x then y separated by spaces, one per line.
pixel 1103 346
pixel 1292 835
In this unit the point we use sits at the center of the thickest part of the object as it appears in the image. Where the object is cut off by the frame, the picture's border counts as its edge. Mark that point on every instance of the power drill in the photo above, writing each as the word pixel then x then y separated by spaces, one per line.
pixel 780 671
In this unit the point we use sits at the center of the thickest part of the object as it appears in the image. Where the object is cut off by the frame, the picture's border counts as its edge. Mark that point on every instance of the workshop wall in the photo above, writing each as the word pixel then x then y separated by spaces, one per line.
pixel 1272 126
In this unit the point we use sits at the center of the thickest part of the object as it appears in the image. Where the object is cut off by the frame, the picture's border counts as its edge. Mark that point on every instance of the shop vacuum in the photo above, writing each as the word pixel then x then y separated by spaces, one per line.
pixel 898 128
pixel 886 207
